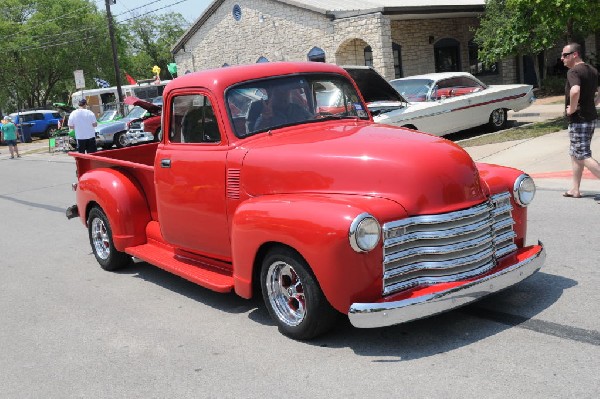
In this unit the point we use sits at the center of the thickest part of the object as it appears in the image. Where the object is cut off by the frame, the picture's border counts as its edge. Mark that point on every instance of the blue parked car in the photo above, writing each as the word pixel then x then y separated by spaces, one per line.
pixel 40 123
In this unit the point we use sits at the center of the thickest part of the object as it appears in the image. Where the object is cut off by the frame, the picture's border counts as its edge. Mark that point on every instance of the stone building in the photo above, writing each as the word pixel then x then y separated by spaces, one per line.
pixel 397 38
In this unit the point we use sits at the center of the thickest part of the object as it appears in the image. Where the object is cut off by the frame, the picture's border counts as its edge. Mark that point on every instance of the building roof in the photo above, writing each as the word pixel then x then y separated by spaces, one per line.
pixel 335 9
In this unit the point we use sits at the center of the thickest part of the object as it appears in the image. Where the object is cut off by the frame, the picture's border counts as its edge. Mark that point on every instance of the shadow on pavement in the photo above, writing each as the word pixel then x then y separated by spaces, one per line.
pixel 514 307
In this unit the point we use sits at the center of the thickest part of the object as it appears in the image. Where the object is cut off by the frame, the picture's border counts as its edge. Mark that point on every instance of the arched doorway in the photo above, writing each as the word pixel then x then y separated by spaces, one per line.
pixel 447 55
pixel 352 52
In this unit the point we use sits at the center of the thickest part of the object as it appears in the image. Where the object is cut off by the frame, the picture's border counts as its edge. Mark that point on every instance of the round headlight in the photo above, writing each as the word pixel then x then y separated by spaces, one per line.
pixel 365 233
pixel 524 190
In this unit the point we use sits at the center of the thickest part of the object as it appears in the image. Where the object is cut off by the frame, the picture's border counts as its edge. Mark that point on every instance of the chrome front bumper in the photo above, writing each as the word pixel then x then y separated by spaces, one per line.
pixel 139 136
pixel 381 314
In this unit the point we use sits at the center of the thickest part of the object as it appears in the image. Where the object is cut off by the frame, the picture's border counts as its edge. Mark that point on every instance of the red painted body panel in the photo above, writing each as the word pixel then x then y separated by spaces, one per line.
pixel 218 205
pixel 317 227
pixel 152 124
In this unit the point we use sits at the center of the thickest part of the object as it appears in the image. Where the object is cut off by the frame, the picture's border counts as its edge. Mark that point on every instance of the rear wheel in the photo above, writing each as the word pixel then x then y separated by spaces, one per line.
pixel 293 296
pixel 101 241
pixel 498 119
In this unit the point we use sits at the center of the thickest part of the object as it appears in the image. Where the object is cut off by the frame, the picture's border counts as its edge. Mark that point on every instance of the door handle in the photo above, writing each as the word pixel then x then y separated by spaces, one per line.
pixel 165 163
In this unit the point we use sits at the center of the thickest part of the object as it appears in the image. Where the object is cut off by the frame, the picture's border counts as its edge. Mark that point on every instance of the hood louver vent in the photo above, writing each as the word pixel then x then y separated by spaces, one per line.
pixel 233 183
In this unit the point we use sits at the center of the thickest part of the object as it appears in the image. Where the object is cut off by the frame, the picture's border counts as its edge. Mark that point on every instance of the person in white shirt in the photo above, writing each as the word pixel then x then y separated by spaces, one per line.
pixel 83 121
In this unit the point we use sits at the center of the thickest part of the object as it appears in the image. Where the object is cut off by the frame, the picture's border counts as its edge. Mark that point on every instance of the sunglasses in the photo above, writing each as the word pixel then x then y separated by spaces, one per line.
pixel 565 55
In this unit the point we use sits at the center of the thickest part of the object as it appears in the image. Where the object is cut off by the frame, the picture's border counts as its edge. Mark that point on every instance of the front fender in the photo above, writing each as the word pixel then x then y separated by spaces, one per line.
pixel 317 227
pixel 502 178
pixel 123 201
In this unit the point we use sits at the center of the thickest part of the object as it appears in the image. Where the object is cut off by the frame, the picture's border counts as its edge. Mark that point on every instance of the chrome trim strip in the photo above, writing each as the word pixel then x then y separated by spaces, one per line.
pixel 442 265
pixel 440 234
pixel 444 218
pixel 380 314
pixel 402 285
pixel 437 250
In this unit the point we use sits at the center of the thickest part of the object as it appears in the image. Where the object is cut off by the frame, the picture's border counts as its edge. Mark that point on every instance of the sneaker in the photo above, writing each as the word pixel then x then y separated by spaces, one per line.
pixel 12 157
pixel 18 156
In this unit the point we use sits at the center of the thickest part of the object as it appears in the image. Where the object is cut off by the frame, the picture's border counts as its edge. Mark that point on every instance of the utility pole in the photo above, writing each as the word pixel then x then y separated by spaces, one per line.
pixel 111 33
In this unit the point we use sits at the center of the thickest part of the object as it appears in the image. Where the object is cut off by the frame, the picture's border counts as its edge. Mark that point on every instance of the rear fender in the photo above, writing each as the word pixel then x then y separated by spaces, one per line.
pixel 123 201
pixel 316 227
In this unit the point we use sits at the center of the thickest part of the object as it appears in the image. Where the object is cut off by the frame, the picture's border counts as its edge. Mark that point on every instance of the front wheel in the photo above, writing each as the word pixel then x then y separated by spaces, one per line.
pixel 101 241
pixel 293 296
pixel 498 119
pixel 121 140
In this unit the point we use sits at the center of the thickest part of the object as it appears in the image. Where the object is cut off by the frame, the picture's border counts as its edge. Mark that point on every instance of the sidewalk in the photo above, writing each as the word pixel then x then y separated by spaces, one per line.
pixel 545 158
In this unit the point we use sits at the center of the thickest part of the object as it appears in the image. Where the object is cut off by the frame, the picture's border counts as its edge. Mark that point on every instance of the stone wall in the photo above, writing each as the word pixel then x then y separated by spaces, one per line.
pixel 283 32
pixel 276 31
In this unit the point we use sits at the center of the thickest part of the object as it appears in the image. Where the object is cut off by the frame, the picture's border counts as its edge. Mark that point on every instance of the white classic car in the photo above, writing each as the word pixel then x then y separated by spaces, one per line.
pixel 439 103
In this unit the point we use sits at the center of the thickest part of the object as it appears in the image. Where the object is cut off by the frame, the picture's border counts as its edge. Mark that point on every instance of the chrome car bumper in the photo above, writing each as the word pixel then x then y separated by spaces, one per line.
pixel 381 314
pixel 139 136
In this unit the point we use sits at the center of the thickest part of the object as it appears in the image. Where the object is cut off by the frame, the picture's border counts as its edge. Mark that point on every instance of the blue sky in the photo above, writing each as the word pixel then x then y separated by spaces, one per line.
pixel 123 9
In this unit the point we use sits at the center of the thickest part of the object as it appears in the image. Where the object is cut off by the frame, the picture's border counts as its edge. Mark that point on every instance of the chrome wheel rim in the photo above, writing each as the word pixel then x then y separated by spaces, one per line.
pixel 123 140
pixel 498 117
pixel 286 293
pixel 100 238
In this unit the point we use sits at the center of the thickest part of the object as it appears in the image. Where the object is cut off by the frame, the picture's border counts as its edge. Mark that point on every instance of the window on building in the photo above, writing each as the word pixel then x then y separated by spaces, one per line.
pixel 397 50
pixel 447 55
pixel 261 59
pixel 316 54
pixel 476 67
pixel 368 56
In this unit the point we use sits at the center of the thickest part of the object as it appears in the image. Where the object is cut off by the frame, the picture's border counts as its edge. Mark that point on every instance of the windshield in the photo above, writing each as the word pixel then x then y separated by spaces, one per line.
pixel 136 113
pixel 414 90
pixel 108 116
pixel 276 102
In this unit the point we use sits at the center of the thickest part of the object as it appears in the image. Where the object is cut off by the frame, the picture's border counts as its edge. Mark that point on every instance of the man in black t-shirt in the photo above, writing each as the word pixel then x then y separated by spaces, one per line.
pixel 581 98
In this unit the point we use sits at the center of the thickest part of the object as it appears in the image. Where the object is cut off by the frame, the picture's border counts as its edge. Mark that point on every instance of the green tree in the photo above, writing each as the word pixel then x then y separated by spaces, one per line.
pixel 527 27
pixel 149 41
pixel 44 41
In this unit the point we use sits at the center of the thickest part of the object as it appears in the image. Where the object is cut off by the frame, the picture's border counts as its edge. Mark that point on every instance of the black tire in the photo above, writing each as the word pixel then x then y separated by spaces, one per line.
pixel 101 241
pixel 293 296
pixel 50 131
pixel 498 119
pixel 120 140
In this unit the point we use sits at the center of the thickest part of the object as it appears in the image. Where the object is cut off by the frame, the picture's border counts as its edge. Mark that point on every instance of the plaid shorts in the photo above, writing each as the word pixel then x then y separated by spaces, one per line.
pixel 580 135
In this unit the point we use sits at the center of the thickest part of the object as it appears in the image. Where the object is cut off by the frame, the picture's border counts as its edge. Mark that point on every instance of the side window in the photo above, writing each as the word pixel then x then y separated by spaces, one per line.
pixel 38 117
pixel 193 120
pixel 469 83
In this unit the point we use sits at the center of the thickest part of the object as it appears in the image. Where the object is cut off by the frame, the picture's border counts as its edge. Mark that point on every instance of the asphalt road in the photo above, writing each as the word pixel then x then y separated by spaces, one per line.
pixel 71 330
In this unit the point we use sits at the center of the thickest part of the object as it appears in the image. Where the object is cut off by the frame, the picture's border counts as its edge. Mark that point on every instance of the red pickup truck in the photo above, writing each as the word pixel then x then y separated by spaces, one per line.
pixel 273 179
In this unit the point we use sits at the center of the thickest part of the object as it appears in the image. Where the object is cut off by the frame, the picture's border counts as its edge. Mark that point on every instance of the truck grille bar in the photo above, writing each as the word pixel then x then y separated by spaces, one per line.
pixel 430 249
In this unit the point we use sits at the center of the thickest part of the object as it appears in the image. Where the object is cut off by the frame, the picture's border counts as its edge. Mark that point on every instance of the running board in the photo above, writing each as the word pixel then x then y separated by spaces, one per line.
pixel 190 269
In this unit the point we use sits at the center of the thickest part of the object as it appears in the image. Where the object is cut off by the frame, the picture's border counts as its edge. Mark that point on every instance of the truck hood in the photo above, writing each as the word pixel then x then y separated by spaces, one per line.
pixel 423 173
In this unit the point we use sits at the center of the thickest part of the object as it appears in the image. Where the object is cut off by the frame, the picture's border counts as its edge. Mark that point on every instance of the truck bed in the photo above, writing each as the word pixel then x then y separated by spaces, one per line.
pixel 137 161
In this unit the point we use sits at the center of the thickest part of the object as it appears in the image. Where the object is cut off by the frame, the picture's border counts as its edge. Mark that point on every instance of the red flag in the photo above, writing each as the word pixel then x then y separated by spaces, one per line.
pixel 131 80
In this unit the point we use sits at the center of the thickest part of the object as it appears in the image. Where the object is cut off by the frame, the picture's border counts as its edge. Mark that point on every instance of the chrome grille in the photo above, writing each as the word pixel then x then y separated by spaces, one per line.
pixel 432 249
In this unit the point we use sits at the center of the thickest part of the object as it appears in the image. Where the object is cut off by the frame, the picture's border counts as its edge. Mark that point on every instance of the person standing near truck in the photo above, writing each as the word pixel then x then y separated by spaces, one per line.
pixel 83 121
pixel 581 99
pixel 9 133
